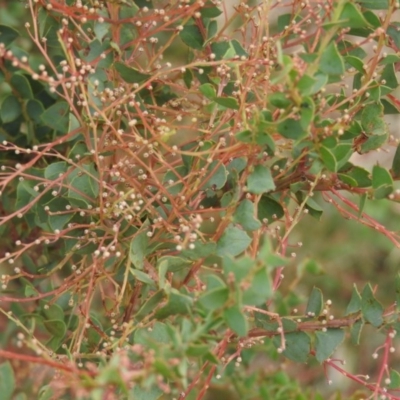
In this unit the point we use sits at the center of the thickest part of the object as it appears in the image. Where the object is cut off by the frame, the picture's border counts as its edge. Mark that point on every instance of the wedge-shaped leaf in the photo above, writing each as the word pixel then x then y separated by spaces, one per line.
pixel 259 289
pixel 331 62
pixel 236 320
pixel 260 180
pixel 217 175
pixel 138 249
pixel 21 84
pixel 291 129
pixel 233 242
pixel 388 77
pixel 353 17
pixel 394 379
pixel 315 302
pixel 238 267
pixel 129 74
pixel 208 90
pixel 150 305
pixel 355 302
pixel 192 37
pixel 371 309
pixel 145 393
pixel 7 34
pixel 56 327
pixel 244 215
pixel 214 299
pixel 210 10
pixel 382 182
pixel 327 342
pixel 56 116
pixel 7 379
pixel 298 345
pixel 228 102
pixel 158 334
pixel 372 120
pixel 269 209
pixel 328 159
pixel 142 277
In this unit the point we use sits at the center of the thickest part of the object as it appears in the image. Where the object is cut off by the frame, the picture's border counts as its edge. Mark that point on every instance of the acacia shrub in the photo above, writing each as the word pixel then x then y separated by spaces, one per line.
pixel 156 158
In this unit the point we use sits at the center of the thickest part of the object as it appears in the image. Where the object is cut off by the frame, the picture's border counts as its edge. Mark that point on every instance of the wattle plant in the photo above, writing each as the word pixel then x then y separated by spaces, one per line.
pixel 156 160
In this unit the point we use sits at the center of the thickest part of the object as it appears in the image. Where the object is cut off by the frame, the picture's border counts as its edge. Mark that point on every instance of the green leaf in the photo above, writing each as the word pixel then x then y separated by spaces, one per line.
pixel 372 120
pixel 85 187
pixel 208 90
pixel 129 74
pixel 58 220
pixel 397 289
pixel 238 267
pixel 7 379
pixel 140 393
pixel 331 62
pixel 52 311
pixel 56 116
pixel 178 303
pixel 138 249
pixel 315 303
pixel 260 180
pixel 158 334
pixel 352 17
pixel 192 37
pixel 56 327
pixel 291 129
pixel 244 216
pixel 228 102
pixel 236 320
pixel 326 343
pixel 374 4
pixel 214 299
pixel 382 182
pixel 297 346
pixel 219 175
pixel 389 75
pixel 7 34
pixel 150 305
pixel 10 109
pixel 142 277
pixel 259 289
pixel 394 379
pixel 269 209
pixel 396 163
pixel 373 142
pixel 21 85
pixel 371 309
pixel 233 242
pixel 328 159
pixel 355 332
pixel 54 170
pixel 354 305
pixel 209 10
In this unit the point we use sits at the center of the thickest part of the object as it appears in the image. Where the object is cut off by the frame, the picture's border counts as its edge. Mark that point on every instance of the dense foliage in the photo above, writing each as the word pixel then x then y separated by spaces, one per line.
pixel 156 159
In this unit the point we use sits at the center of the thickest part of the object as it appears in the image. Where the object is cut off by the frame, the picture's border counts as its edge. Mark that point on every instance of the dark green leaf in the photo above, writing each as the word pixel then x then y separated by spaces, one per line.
pixel 352 16
pixel 10 109
pixel 7 34
pixel 208 90
pixel 22 86
pixel 355 332
pixel 140 393
pixel 326 343
pixel 269 209
pixel 371 309
pixel 260 288
pixel 374 4
pixel 192 37
pixel 56 117
pixel 129 74
pixel 178 303
pixel 291 129
pixel 315 302
pixel 372 120
pixel 355 302
pixel 56 327
pixel 297 346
